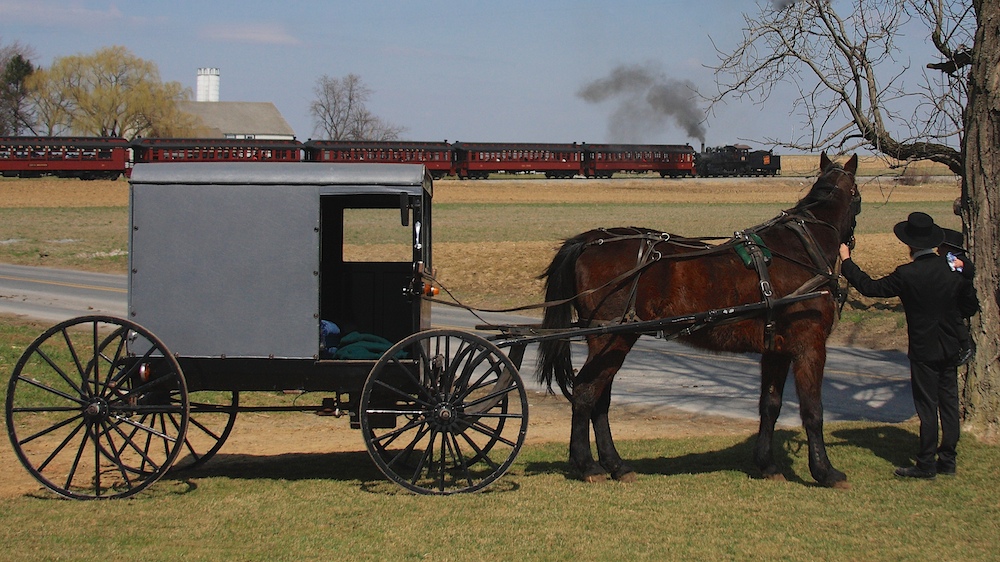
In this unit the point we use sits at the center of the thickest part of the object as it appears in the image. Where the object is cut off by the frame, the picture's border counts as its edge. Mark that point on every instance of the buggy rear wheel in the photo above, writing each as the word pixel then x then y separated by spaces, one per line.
pixel 97 408
pixel 212 417
pixel 444 411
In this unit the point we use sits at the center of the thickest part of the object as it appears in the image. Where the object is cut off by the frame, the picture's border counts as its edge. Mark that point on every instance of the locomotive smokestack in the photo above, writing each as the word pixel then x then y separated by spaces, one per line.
pixel 647 99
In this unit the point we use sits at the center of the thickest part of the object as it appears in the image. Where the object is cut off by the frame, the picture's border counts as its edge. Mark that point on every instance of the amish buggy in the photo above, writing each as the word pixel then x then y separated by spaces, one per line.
pixel 243 277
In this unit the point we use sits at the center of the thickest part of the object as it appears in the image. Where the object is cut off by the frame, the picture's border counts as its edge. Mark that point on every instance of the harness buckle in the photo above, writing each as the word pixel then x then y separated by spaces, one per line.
pixel 765 288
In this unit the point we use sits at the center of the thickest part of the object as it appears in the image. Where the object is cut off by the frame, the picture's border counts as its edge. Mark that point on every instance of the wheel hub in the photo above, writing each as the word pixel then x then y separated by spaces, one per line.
pixel 445 415
pixel 97 409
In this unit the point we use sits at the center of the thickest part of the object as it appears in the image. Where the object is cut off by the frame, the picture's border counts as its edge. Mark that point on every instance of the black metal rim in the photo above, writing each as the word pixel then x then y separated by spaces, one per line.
pixel 97 408
pixel 461 411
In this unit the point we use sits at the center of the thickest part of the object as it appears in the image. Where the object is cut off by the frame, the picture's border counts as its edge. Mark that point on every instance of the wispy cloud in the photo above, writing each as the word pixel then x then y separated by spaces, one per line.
pixel 258 33
pixel 76 15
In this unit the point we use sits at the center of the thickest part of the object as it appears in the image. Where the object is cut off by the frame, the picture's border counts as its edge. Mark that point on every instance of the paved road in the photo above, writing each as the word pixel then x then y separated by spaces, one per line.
pixel 859 384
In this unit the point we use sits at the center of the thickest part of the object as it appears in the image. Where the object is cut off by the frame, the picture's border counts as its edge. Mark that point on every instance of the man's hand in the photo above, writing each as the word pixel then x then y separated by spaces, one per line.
pixel 845 252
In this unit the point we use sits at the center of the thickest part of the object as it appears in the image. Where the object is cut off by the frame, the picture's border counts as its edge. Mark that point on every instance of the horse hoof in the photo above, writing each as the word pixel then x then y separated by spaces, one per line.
pixel 627 477
pixel 595 478
pixel 776 477
pixel 841 485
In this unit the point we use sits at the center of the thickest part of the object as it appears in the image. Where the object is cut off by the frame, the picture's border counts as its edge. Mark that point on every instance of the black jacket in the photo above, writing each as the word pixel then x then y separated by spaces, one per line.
pixel 935 300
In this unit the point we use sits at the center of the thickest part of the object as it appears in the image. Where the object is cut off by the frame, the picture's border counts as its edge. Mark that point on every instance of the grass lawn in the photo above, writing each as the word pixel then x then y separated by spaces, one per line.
pixel 695 499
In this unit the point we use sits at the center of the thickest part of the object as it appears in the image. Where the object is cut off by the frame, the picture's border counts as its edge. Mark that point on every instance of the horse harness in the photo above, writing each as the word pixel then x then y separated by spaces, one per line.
pixel 747 243
pixel 750 248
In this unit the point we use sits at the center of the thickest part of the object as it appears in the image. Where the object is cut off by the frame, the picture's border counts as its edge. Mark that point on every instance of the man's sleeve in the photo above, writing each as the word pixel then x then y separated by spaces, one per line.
pixel 968 300
pixel 888 286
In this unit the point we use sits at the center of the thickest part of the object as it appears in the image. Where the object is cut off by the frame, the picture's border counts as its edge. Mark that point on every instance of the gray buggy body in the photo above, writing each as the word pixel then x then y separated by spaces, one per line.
pixel 242 261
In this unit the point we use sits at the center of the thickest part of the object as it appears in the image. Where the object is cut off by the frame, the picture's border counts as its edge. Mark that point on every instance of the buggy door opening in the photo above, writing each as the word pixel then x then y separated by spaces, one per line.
pixel 367 270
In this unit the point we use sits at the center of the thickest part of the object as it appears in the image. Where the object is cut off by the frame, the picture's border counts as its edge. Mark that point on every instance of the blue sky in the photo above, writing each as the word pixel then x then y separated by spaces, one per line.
pixel 455 70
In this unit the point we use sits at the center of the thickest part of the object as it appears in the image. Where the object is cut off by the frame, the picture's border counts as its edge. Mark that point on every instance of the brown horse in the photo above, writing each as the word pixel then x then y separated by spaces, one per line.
pixel 612 276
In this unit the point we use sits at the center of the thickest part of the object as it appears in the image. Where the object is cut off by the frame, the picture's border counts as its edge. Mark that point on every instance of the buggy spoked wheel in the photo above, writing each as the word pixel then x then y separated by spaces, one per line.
pixel 212 417
pixel 97 407
pixel 443 412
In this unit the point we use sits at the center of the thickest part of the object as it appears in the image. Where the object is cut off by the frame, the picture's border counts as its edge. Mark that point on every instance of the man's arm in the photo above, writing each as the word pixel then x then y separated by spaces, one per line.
pixel 968 300
pixel 887 286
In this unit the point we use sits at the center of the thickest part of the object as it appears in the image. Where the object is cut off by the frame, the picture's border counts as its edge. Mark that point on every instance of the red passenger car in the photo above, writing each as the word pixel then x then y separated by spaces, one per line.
pixel 479 160
pixel 216 150
pixel 603 160
pixel 437 157
pixel 65 157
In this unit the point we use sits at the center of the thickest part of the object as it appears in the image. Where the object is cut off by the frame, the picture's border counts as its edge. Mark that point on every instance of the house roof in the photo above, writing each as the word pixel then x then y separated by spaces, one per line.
pixel 239 118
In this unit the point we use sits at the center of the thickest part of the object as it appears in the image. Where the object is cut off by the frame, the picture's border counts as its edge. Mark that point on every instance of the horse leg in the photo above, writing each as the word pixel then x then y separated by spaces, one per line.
pixel 808 369
pixel 773 374
pixel 606 451
pixel 591 385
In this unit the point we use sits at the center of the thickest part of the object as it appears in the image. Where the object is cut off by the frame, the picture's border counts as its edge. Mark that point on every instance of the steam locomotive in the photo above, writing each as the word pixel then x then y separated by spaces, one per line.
pixel 109 158
pixel 736 160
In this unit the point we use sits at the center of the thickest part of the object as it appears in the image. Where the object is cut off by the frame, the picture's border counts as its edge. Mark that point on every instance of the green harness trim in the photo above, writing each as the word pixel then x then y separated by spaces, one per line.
pixel 744 252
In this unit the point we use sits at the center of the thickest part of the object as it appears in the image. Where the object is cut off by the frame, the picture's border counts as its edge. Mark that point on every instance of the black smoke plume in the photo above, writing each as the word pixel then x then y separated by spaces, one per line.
pixel 647 99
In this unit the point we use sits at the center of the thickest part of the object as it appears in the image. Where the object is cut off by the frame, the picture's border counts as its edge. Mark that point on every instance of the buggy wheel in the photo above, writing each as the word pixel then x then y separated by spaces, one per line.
pixel 444 411
pixel 97 408
pixel 212 417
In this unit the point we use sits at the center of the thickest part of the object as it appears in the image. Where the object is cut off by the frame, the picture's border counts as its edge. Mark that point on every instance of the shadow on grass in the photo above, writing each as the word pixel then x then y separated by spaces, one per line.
pixel 345 466
pixel 894 444
pixel 889 442
pixel 736 457
pixel 350 467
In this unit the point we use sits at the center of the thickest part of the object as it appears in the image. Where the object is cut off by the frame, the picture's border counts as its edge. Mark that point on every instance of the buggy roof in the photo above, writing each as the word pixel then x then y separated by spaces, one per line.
pixel 332 179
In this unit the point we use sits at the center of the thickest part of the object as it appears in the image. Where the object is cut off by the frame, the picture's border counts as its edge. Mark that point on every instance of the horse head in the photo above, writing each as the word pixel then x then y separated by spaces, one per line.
pixel 835 197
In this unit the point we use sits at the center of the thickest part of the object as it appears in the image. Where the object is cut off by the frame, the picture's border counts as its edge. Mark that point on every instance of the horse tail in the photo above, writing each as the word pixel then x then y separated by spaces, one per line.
pixel 554 360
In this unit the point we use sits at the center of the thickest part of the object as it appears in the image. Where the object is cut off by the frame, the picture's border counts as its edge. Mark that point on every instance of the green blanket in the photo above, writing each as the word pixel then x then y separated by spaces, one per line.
pixel 358 345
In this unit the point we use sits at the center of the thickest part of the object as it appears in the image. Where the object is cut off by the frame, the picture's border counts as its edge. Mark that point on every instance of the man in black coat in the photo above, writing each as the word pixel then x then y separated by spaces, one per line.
pixel 935 300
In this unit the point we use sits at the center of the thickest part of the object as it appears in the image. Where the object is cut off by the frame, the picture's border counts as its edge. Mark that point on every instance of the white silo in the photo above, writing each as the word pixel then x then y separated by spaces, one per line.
pixel 208 84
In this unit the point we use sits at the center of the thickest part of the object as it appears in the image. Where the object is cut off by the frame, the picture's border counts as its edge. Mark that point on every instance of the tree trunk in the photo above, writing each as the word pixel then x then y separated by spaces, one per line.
pixel 981 215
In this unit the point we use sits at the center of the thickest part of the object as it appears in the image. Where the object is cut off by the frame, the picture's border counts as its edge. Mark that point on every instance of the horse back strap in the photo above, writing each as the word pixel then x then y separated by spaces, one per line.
pixel 647 255
pixel 759 257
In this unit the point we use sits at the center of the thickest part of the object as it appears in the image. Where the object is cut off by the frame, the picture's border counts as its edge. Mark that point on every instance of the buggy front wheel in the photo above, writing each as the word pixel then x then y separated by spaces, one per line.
pixel 97 408
pixel 444 411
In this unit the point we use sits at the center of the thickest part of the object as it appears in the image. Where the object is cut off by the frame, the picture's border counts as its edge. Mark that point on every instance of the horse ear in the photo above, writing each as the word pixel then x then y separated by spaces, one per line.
pixel 824 161
pixel 852 164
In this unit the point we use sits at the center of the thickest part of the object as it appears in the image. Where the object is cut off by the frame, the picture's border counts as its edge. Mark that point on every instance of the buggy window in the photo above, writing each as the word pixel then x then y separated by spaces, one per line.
pixel 376 235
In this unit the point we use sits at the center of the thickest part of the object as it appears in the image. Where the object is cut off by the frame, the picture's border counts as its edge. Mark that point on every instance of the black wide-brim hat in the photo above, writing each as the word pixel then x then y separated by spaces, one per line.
pixel 919 231
pixel 954 239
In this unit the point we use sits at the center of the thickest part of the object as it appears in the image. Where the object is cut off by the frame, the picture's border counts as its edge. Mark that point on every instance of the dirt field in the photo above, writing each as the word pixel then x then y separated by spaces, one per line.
pixel 74 193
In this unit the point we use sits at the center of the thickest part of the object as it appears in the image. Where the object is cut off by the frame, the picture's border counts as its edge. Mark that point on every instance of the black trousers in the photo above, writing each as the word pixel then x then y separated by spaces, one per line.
pixel 935 393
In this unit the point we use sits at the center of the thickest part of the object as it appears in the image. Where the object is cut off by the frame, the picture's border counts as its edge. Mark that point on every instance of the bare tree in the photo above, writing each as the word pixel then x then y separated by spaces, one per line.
pixel 851 94
pixel 339 111
pixel 981 215
pixel 849 72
